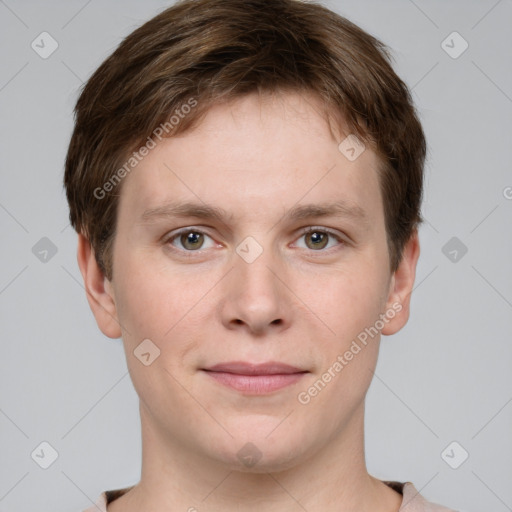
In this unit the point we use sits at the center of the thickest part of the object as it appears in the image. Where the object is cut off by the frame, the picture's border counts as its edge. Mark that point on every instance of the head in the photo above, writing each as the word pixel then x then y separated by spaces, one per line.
pixel 249 110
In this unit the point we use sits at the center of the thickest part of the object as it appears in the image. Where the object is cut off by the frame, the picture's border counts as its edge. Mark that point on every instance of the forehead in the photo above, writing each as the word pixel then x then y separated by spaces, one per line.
pixel 256 152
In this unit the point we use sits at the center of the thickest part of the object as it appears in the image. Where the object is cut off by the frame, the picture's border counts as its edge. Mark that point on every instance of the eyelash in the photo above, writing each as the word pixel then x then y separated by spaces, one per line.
pixel 305 231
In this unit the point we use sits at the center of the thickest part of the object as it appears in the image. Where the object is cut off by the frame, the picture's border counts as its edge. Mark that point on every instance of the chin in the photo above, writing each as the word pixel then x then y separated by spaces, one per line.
pixel 251 452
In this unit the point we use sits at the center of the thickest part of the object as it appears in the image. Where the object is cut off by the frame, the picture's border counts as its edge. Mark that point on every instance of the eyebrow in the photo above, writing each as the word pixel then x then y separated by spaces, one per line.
pixel 341 208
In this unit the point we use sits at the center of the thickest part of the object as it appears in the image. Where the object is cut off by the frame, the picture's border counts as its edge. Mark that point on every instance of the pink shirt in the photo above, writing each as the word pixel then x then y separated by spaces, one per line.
pixel 412 501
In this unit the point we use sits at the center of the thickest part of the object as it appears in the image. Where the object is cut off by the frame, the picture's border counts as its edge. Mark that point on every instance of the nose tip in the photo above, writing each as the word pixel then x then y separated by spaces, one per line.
pixel 255 295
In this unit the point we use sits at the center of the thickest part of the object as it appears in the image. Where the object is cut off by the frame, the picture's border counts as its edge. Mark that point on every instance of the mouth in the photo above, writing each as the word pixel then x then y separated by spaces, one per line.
pixel 255 379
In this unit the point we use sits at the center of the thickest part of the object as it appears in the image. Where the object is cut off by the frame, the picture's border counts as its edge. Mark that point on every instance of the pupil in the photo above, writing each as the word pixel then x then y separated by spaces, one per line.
pixel 318 239
pixel 192 239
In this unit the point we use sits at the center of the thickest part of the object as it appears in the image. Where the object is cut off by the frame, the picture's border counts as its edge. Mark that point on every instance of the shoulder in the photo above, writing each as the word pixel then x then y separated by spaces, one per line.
pixel 413 501
pixel 100 505
pixel 105 498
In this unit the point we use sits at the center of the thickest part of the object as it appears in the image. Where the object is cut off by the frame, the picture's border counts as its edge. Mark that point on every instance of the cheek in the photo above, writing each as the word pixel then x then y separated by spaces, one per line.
pixel 168 308
pixel 142 308
pixel 350 306
pixel 347 300
pixel 158 308
pixel 149 298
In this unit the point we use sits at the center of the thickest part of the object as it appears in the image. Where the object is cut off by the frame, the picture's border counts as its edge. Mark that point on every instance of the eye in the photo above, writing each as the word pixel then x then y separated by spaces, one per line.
pixel 191 240
pixel 319 238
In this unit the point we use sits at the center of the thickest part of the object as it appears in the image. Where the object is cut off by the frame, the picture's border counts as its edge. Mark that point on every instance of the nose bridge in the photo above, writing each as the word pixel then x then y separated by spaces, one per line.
pixel 256 296
pixel 256 264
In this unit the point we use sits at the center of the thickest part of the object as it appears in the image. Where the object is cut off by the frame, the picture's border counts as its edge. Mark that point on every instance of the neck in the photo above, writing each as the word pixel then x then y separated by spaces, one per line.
pixel 334 477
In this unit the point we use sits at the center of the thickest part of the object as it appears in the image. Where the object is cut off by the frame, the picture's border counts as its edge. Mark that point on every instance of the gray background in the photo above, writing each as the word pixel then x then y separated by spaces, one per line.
pixel 446 377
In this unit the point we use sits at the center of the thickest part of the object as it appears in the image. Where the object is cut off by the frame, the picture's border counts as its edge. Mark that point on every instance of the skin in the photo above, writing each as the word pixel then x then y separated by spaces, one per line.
pixel 256 157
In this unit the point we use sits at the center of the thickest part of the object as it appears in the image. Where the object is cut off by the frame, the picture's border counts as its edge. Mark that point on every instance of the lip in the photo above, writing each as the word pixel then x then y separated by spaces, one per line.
pixel 255 379
pixel 244 368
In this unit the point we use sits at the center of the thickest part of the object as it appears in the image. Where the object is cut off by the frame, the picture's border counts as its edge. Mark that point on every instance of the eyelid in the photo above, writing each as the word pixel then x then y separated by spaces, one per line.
pixel 312 229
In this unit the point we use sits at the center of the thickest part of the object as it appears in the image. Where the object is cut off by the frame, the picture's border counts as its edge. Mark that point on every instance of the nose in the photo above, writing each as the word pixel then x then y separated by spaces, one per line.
pixel 255 298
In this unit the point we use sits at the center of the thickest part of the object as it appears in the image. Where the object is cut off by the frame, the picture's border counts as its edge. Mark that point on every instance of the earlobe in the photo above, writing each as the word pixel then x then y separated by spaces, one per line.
pixel 98 290
pixel 402 283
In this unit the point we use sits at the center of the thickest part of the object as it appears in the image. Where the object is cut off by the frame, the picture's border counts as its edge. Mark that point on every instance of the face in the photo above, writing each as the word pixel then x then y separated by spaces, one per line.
pixel 252 253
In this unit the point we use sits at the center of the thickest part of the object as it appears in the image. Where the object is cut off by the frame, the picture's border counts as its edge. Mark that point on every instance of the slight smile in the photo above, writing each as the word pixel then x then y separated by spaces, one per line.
pixel 255 379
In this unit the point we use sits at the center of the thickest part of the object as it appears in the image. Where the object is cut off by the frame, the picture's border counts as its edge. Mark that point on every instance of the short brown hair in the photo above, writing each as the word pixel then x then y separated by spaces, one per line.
pixel 216 50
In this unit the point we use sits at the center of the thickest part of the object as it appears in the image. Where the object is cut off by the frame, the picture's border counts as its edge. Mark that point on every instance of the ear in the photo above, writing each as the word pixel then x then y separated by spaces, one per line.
pixel 99 290
pixel 401 285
